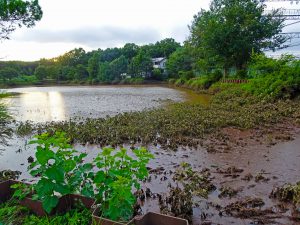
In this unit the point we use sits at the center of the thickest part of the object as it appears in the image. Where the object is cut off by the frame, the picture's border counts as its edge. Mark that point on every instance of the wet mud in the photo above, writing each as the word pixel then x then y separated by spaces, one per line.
pixel 227 179
pixel 231 185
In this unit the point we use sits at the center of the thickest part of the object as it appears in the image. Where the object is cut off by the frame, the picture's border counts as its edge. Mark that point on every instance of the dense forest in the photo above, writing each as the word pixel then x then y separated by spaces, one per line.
pixel 99 66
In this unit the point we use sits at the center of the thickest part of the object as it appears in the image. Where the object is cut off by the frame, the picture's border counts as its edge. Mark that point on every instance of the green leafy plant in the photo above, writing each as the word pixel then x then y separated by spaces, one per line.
pixel 61 170
pixel 11 213
pixel 21 190
pixel 118 174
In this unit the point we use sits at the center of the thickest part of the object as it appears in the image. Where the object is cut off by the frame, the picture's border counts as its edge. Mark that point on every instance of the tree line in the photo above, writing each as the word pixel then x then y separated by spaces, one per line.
pixel 223 37
pixel 98 66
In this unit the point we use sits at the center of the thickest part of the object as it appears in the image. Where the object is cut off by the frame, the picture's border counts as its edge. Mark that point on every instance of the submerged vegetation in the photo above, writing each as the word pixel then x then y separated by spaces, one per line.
pixel 288 193
pixel 178 124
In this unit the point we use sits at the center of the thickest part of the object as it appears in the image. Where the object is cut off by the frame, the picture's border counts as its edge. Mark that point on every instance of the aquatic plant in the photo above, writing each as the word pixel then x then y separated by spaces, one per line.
pixel 178 124
pixel 287 193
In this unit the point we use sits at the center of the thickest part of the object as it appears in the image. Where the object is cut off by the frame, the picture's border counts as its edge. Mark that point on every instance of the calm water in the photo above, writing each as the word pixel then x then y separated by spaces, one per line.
pixel 42 104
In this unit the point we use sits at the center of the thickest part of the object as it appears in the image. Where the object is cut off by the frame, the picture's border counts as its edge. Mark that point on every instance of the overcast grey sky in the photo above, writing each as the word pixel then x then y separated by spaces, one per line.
pixel 93 24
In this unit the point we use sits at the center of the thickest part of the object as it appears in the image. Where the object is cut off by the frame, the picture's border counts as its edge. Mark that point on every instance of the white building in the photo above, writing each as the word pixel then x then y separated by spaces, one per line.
pixel 159 63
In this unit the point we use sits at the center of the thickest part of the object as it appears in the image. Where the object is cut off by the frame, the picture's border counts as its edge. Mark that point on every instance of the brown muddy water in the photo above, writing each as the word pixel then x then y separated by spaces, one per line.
pixel 269 165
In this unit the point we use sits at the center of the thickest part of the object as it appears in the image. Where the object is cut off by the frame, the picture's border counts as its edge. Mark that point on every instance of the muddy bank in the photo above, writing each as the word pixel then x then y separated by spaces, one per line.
pixel 242 176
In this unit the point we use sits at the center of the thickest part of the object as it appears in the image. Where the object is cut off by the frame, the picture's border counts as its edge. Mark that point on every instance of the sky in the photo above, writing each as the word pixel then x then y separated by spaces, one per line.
pixel 93 24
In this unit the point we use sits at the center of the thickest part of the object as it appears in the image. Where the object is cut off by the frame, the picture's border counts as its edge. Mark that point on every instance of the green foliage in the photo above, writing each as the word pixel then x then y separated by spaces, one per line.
pixel 12 213
pixel 22 190
pixel 242 24
pixel 179 124
pixel 135 80
pixel 8 73
pixel 179 61
pixel 60 169
pixel 186 75
pixel 140 64
pixel 157 74
pixel 275 78
pixel 40 72
pixel 198 83
pixel 18 13
pixel 5 119
pixel 118 174
pixel 80 67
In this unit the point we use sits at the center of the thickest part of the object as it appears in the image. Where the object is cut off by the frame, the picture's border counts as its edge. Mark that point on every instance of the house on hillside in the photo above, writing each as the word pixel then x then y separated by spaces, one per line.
pixel 159 63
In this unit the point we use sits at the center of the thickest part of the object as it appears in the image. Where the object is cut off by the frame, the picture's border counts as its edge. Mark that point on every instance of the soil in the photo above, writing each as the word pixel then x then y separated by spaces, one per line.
pixel 239 167
pixel 244 167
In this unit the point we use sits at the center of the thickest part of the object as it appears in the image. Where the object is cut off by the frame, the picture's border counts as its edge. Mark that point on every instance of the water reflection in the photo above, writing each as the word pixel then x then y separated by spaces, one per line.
pixel 42 106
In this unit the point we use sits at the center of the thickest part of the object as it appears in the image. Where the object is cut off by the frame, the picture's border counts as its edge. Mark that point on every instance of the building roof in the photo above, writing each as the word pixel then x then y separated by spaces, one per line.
pixel 156 60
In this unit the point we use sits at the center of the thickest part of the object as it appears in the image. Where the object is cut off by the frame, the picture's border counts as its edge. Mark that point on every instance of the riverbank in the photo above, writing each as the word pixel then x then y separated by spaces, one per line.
pixel 179 123
pixel 239 148
pixel 131 81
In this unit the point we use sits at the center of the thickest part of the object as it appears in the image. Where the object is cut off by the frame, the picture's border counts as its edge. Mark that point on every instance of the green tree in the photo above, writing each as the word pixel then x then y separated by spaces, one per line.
pixel 93 65
pixel 8 73
pixel 167 47
pixel 41 72
pixel 141 63
pixel 104 72
pixel 81 72
pixel 130 50
pixel 18 13
pixel 231 30
pixel 180 60
pixel 117 67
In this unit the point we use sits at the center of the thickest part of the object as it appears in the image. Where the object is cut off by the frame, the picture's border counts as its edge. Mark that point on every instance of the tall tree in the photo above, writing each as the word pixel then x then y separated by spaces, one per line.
pixel 231 30
pixel 8 73
pixel 141 63
pixel 179 61
pixel 117 67
pixel 41 72
pixel 18 13
pixel 93 65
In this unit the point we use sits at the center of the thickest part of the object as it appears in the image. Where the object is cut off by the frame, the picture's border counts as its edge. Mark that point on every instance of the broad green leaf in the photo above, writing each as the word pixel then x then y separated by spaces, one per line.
pixel 69 165
pixel 62 189
pixel 55 173
pixel 43 156
pixel 49 203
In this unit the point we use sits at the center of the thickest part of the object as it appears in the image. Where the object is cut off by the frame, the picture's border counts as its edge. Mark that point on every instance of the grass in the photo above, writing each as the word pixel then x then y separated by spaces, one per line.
pixel 12 213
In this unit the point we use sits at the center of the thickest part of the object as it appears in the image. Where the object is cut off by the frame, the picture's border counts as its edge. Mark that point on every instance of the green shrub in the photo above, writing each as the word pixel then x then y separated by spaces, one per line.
pixel 60 169
pixel 186 75
pixel 118 174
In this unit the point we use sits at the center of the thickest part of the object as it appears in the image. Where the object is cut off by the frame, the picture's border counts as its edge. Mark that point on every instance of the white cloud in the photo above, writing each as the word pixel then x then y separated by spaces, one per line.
pixel 93 24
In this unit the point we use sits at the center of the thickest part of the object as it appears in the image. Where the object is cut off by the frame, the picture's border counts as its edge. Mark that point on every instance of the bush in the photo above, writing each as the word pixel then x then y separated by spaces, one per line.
pixel 241 74
pixel 186 75
pixel 276 78
pixel 157 74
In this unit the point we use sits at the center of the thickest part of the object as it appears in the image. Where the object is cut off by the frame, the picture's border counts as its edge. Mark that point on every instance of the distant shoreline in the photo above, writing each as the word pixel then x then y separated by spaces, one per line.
pixel 65 84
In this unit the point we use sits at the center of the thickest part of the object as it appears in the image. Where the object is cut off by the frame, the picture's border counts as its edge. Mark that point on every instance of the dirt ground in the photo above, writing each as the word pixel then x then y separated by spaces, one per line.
pixel 233 173
pixel 243 166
